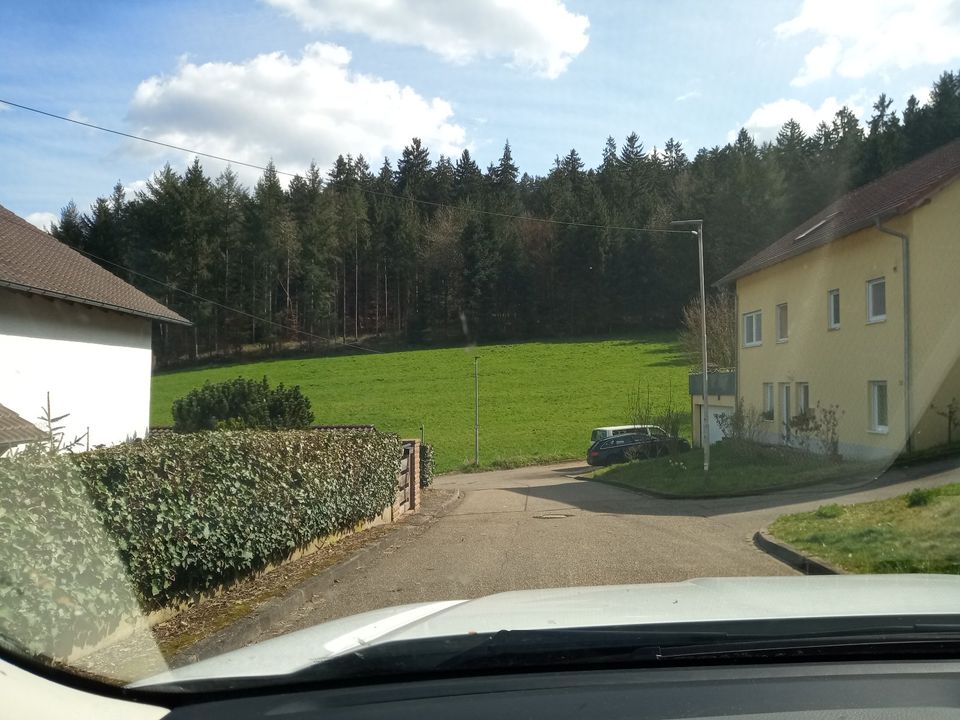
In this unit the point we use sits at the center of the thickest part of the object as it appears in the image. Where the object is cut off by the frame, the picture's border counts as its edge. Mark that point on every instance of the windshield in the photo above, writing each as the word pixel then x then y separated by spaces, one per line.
pixel 315 310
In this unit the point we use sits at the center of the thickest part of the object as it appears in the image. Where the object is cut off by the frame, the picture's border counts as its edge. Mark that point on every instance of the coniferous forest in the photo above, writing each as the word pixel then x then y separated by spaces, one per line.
pixel 436 250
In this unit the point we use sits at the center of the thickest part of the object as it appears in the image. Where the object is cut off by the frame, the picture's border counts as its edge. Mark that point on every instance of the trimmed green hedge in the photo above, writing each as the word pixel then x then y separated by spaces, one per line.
pixel 61 581
pixel 191 512
pixel 186 513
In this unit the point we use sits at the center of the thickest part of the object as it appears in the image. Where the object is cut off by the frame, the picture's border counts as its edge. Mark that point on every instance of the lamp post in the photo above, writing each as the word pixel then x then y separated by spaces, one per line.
pixel 705 408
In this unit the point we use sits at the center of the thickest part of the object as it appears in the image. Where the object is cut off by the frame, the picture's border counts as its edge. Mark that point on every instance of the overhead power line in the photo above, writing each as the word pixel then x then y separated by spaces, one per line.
pixel 228 308
pixel 368 191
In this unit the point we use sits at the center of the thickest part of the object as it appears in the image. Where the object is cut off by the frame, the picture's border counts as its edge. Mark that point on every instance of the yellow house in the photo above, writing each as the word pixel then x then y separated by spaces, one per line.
pixel 859 308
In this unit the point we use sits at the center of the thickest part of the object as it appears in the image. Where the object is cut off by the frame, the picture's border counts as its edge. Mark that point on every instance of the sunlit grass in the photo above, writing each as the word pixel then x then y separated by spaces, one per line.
pixel 732 472
pixel 914 533
pixel 538 400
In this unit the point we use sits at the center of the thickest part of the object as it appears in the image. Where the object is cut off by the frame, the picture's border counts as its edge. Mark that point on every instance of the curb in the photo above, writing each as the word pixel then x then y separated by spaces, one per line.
pixel 789 555
pixel 252 626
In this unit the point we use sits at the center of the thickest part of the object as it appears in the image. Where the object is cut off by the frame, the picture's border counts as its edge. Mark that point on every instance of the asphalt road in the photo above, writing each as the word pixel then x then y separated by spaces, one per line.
pixel 543 527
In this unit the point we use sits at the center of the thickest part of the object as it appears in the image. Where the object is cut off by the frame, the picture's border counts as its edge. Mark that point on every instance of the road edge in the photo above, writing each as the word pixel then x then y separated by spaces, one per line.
pixel 250 627
pixel 789 555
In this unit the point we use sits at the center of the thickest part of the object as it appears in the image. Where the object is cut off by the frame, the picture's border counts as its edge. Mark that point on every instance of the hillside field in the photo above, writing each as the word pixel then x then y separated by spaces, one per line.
pixel 538 400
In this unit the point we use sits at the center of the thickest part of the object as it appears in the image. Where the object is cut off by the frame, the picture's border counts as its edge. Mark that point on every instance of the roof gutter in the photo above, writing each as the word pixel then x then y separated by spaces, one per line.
pixel 30 289
pixel 907 390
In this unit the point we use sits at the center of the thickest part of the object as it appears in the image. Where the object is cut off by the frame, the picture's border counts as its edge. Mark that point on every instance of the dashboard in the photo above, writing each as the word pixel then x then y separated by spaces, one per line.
pixel 847 690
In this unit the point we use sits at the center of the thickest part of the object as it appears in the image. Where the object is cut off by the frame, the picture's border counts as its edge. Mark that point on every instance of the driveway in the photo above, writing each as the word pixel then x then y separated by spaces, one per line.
pixel 544 527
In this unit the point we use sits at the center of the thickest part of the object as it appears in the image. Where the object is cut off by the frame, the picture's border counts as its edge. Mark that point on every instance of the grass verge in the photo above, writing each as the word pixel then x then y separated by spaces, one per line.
pixel 918 532
pixel 733 472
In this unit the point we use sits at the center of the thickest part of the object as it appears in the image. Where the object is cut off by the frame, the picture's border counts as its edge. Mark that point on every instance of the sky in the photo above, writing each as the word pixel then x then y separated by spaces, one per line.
pixel 296 81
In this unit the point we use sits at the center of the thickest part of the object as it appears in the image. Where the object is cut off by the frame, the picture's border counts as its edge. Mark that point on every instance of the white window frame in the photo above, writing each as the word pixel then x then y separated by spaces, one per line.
pixel 755 319
pixel 783 324
pixel 874 406
pixel 803 397
pixel 873 317
pixel 833 323
pixel 768 401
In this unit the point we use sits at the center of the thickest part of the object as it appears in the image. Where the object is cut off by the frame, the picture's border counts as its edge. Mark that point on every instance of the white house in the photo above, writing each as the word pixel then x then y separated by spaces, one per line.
pixel 76 331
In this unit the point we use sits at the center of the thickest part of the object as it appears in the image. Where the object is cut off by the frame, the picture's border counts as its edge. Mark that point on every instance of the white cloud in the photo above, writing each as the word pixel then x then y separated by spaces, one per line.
pixel 292 110
pixel 77 116
pixel 765 122
pixel 131 189
pixel 857 38
pixel 538 35
pixel 693 94
pixel 42 220
pixel 922 94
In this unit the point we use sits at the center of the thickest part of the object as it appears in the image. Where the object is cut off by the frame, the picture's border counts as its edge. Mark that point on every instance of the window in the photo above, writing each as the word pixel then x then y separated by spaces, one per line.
pixel 803 397
pixel 768 401
pixel 752 334
pixel 878 406
pixel 833 309
pixel 782 332
pixel 877 300
pixel 785 412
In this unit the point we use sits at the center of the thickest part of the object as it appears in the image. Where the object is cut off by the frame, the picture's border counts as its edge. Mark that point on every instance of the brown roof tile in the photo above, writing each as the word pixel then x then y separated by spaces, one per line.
pixel 36 262
pixel 893 194
pixel 14 430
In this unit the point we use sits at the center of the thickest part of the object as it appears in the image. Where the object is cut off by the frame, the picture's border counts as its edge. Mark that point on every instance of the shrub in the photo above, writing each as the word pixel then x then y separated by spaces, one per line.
pixel 741 429
pixel 818 428
pixel 191 512
pixel 426 465
pixel 61 581
pixel 829 512
pixel 918 497
pixel 241 403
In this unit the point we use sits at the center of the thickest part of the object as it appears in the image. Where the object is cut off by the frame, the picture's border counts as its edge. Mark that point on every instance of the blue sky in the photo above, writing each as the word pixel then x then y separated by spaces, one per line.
pixel 296 80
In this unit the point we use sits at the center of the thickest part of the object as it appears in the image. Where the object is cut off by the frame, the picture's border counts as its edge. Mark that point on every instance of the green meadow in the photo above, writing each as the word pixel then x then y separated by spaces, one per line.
pixel 538 400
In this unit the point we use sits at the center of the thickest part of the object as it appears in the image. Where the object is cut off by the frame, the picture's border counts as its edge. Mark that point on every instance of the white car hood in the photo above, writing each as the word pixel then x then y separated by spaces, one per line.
pixel 711 599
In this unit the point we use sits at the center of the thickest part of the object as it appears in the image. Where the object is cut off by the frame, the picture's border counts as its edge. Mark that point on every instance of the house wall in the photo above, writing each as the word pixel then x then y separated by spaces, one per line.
pixel 838 364
pixel 94 363
pixel 935 291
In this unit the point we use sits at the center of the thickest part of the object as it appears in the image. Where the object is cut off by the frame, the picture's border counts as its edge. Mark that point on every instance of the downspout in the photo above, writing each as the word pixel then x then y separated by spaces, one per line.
pixel 905 270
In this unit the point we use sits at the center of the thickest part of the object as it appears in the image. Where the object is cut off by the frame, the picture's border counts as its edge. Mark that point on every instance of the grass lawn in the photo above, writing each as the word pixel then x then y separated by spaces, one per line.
pixel 915 533
pixel 538 400
pixel 731 473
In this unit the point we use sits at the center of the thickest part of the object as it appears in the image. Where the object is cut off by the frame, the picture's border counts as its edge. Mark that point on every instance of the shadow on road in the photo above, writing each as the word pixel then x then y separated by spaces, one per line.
pixel 597 497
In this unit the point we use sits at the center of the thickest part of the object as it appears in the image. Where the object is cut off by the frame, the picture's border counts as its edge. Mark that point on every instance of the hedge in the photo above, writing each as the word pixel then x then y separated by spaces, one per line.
pixel 61 581
pixel 186 513
pixel 426 465
pixel 190 512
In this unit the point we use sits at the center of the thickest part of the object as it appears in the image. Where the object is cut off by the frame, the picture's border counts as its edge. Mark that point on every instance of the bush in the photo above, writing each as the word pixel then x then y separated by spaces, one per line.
pixel 918 497
pixel 241 403
pixel 191 512
pixel 817 429
pixel 61 581
pixel 426 465
pixel 829 512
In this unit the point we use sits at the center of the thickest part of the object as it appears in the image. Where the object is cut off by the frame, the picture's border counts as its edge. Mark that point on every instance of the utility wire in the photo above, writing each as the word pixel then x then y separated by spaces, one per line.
pixel 369 191
pixel 173 287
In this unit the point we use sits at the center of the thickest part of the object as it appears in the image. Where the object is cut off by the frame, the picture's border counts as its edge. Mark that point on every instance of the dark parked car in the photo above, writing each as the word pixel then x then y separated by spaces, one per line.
pixel 633 446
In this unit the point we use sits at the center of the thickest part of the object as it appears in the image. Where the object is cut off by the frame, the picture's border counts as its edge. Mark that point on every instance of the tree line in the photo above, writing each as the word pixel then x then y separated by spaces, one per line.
pixel 428 251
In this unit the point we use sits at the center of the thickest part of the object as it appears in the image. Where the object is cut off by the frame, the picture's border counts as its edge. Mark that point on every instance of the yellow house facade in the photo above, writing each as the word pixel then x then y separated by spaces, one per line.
pixel 858 309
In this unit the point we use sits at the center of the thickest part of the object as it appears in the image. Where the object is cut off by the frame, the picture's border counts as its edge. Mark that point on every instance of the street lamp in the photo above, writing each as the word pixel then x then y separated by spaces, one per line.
pixel 705 411
pixel 476 410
